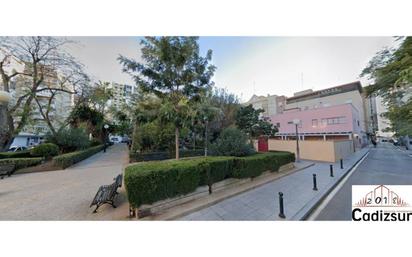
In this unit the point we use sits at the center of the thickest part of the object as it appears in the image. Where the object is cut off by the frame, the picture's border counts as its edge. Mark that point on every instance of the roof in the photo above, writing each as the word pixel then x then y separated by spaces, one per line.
pixel 326 92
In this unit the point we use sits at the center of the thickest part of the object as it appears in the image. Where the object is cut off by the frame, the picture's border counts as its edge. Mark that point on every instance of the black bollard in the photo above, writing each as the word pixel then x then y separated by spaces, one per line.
pixel 314 183
pixel 331 170
pixel 281 210
pixel 341 163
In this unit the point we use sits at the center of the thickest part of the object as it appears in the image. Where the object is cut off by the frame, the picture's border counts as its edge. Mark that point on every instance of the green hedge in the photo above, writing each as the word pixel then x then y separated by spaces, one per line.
pixel 158 156
pixel 254 165
pixel 21 163
pixel 65 160
pixel 21 154
pixel 148 182
pixel 46 150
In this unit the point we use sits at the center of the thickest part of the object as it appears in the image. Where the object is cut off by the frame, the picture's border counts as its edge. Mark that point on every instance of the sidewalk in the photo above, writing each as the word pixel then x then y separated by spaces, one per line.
pixel 262 203
pixel 65 194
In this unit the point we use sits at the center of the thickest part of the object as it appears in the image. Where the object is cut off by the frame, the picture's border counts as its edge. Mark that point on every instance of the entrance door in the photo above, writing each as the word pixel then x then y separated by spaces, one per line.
pixel 263 145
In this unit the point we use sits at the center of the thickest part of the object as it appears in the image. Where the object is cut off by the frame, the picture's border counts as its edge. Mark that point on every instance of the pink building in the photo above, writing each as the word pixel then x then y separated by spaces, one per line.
pixel 332 122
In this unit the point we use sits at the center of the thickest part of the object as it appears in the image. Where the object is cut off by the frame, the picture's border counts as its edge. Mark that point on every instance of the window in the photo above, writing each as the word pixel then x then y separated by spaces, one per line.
pixel 334 121
pixel 358 123
pixel 278 124
pixel 314 122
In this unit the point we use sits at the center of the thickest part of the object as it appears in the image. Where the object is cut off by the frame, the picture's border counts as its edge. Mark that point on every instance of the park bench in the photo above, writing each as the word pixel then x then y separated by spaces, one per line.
pixel 107 193
pixel 6 170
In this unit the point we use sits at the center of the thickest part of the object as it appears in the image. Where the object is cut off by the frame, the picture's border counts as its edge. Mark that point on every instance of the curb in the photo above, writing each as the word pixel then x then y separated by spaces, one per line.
pixel 306 210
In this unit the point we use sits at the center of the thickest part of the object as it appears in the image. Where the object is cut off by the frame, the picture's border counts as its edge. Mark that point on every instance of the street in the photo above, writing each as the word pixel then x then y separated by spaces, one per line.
pixel 384 165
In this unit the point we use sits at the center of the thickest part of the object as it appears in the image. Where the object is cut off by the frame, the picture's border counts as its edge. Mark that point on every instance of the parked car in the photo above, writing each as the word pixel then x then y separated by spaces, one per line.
pixel 17 149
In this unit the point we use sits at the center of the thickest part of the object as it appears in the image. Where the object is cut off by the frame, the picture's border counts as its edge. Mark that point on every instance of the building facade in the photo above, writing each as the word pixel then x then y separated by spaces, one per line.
pixel 122 94
pixel 59 102
pixel 329 114
pixel 270 104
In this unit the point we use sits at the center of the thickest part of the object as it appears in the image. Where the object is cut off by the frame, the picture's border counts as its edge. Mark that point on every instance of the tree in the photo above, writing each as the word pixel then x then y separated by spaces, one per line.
pixel 391 73
pixel 249 121
pixel 204 113
pixel 38 55
pixel 174 71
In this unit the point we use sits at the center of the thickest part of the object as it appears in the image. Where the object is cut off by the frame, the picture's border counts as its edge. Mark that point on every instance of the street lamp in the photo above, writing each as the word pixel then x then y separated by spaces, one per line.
pixel 206 125
pixel 106 127
pixel 297 122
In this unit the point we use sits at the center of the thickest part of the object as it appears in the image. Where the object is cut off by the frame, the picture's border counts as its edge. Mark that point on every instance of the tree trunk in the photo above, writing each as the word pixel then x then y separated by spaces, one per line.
pixel 5 136
pixel 177 142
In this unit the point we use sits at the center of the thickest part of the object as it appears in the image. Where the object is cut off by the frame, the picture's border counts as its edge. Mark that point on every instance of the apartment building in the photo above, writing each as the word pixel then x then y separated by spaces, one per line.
pixel 61 104
pixel 122 94
pixel 270 104
pixel 332 113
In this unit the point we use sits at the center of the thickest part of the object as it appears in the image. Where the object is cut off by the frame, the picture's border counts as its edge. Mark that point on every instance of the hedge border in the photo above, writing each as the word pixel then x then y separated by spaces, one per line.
pixel 66 160
pixel 21 163
pixel 148 182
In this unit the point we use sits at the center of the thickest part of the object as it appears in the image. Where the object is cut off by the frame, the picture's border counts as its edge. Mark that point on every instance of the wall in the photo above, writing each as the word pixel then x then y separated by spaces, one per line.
pixel 306 116
pixel 353 97
pixel 328 151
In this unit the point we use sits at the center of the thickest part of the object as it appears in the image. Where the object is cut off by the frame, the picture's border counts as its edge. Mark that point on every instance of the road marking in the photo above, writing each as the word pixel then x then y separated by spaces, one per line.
pixel 327 199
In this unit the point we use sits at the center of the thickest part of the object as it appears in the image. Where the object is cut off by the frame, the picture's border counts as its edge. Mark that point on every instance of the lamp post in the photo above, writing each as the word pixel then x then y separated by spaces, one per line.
pixel 297 122
pixel 106 127
pixel 206 125
pixel 5 98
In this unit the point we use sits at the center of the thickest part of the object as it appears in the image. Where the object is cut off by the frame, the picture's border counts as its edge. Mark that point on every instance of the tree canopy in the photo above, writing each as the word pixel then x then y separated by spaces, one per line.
pixel 173 70
pixel 391 73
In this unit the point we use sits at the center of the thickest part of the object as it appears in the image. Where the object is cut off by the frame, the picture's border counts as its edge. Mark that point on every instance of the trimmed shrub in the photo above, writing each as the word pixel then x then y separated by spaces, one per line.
pixel 215 169
pixel 46 150
pixel 254 165
pixel 284 157
pixel 95 142
pixel 65 160
pixel 158 156
pixel 21 154
pixel 148 182
pixel 21 163
pixel 232 142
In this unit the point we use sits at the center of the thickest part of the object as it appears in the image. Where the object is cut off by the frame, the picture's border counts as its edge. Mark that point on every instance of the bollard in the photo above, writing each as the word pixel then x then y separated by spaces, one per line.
pixel 331 170
pixel 341 163
pixel 314 183
pixel 281 210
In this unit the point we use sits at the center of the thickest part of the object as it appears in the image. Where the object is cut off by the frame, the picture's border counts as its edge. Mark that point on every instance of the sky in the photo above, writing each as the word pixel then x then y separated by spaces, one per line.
pixel 250 65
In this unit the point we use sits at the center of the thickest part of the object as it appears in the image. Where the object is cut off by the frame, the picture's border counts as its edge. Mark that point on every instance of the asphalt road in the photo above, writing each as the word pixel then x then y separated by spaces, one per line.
pixel 384 165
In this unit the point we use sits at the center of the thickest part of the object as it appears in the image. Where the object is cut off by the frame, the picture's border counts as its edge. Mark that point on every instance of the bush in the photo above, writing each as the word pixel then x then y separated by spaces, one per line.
pixel 21 163
pixel 158 156
pixel 95 142
pixel 215 169
pixel 46 150
pixel 70 139
pixel 232 142
pixel 148 182
pixel 65 160
pixel 21 154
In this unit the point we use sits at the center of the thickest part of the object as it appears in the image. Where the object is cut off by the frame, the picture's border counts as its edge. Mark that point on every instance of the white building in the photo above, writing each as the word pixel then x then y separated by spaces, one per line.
pixel 271 104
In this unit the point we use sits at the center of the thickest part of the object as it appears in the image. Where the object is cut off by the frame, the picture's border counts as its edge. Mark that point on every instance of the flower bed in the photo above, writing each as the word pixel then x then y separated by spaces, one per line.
pixel 149 182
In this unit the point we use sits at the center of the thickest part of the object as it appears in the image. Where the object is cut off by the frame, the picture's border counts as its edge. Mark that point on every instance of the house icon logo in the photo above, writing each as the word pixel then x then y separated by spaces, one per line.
pixel 381 196
pixel 381 203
